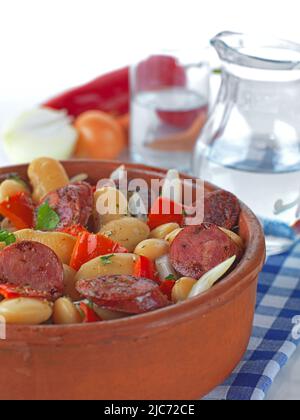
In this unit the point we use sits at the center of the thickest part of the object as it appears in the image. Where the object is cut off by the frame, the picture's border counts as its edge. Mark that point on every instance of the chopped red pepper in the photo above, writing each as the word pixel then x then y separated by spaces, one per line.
pixel 90 246
pixel 19 210
pixel 89 315
pixel 108 93
pixel 145 268
pixel 11 291
pixel 74 230
pixel 160 71
pixel 165 211
pixel 167 286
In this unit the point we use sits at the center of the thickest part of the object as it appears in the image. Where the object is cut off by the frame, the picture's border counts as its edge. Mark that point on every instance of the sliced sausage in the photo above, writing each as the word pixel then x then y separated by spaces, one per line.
pixel 127 294
pixel 34 265
pixel 198 249
pixel 222 209
pixel 73 204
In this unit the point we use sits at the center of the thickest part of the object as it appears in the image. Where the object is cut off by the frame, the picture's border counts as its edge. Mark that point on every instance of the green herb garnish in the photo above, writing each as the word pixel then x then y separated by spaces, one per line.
pixel 106 260
pixel 47 218
pixel 171 277
pixel 7 237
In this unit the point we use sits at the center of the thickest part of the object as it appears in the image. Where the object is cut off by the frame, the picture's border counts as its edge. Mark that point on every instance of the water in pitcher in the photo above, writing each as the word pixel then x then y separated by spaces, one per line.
pixel 165 126
pixel 273 196
pixel 251 143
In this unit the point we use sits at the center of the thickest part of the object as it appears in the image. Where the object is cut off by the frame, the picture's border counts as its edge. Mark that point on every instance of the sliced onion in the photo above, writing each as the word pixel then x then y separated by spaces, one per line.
pixel 234 237
pixel 118 173
pixel 172 188
pixel 79 178
pixel 137 208
pixel 165 268
pixel 40 132
pixel 211 277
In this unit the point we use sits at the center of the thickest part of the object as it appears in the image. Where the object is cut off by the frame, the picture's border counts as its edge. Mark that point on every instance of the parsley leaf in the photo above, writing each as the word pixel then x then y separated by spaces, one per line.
pixel 171 277
pixel 47 218
pixel 7 237
pixel 106 260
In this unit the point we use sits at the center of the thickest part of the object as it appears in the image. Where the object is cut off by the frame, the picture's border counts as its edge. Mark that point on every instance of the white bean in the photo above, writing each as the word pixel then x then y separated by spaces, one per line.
pixel 61 243
pixel 46 175
pixel 164 230
pixel 110 205
pixel 182 289
pixel 65 312
pixel 152 248
pixel 117 264
pixel 173 235
pixel 25 311
pixel 128 232
pixel 10 187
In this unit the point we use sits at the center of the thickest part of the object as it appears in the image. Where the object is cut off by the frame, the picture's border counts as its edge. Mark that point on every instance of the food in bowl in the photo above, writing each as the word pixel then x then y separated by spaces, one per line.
pixel 69 257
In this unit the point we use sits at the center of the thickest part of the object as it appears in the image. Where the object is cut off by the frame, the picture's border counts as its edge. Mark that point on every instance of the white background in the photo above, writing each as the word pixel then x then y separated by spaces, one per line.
pixel 48 45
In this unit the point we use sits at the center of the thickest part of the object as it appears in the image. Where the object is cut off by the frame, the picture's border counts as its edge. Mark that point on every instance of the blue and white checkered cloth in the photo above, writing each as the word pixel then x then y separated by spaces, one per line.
pixel 273 342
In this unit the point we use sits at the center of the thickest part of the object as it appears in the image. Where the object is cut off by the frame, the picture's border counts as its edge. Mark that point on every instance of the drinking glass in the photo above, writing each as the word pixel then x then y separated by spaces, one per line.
pixel 170 103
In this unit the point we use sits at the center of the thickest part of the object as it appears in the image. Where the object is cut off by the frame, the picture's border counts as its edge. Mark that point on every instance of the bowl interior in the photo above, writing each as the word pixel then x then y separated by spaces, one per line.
pixel 235 282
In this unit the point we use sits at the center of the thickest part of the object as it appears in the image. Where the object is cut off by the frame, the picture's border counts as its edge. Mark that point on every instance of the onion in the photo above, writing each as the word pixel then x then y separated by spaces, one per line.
pixel 211 277
pixel 137 208
pixel 118 173
pixel 172 188
pixel 165 268
pixel 79 178
pixel 234 237
pixel 40 132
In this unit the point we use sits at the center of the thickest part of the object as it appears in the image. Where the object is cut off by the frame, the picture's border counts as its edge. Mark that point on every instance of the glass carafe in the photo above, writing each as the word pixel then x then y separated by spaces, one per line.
pixel 251 143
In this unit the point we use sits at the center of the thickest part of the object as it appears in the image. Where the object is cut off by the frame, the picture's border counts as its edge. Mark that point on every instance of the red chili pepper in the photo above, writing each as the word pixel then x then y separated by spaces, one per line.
pixel 19 210
pixel 108 93
pixel 89 315
pixel 90 246
pixel 167 286
pixel 145 268
pixel 159 71
pixel 165 211
pixel 11 291
pixel 74 230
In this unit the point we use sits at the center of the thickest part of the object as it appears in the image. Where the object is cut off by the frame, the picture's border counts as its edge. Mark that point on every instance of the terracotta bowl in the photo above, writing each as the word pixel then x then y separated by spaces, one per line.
pixel 181 352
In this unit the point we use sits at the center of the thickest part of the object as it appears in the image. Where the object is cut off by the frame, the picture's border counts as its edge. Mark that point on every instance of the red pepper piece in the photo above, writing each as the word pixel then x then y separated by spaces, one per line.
pixel 74 230
pixel 19 210
pixel 11 291
pixel 166 287
pixel 159 71
pixel 108 93
pixel 144 268
pixel 90 246
pixel 184 119
pixel 89 315
pixel 165 211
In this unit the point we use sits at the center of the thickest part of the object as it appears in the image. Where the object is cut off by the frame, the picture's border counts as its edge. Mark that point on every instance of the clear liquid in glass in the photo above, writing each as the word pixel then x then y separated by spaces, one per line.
pixel 166 125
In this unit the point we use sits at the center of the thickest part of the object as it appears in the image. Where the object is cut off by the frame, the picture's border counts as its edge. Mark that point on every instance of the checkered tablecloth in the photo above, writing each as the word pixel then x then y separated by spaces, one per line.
pixel 275 334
